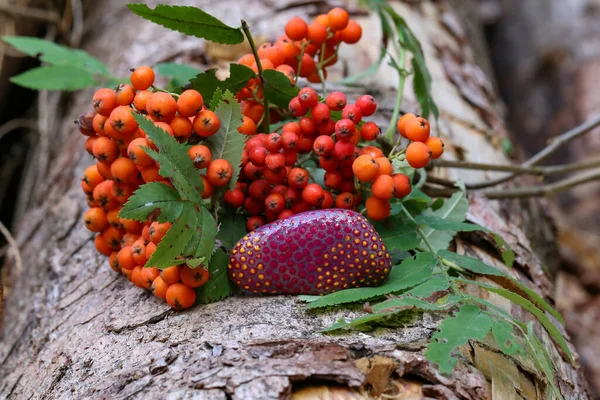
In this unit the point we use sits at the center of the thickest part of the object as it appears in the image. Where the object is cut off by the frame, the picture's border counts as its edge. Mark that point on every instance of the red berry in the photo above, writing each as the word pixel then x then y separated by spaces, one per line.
pixel 323 145
pixel 320 113
pixel 367 104
pixel 344 129
pixel 369 131
pixel 308 98
pixel 353 113
pixel 336 101
pixel 288 140
pixel 296 108
pixel 313 194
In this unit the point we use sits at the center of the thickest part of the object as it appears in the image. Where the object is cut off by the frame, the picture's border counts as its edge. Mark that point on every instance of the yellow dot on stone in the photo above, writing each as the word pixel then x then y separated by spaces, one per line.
pixel 243 259
pixel 252 271
pixel 386 270
pixel 267 283
pixel 320 277
pixel 257 247
pixel 356 232
pixel 374 238
pixel 326 264
pixel 240 275
pixel 371 256
pixel 247 287
pixel 327 273
pixel 379 253
pixel 365 243
pixel 260 266
pixel 234 251
pixel 251 261
pixel 242 250
pixel 248 244
pixel 319 285
pixel 357 241
pixel 340 245
pixel 333 249
pixel 335 258
pixel 261 276
pixel 319 269
pixel 383 247
pixel 244 267
pixel 249 252
pixel 347 238
pixel 326 256
pixel 257 239
pixel 374 247
pixel 247 237
pixel 387 255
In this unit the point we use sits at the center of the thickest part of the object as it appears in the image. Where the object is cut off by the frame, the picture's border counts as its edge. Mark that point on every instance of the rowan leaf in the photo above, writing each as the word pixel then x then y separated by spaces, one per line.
pixel 218 286
pixel 453 210
pixel 216 98
pixel 189 20
pixel 231 229
pixel 409 273
pixel 173 161
pixel 529 306
pixel 202 245
pixel 228 143
pixel 441 224
pixel 542 360
pixel 505 338
pixel 151 197
pixel 398 234
pixel 55 77
pixel 207 82
pixel 278 89
pixel 168 251
pixel 470 322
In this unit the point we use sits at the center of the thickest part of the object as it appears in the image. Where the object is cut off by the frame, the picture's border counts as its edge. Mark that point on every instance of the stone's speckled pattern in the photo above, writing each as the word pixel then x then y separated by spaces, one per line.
pixel 315 252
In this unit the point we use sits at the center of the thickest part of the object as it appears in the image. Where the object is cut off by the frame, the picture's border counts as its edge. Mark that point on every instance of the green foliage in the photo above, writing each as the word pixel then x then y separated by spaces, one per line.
pixel 398 234
pixel 505 338
pixel 453 210
pixel 55 77
pixel 278 89
pixel 469 323
pixel 207 82
pixel 189 20
pixel 409 273
pixel 232 228
pixel 228 143
pixel 173 160
pixel 203 241
pixel 180 74
pixel 158 199
pixel 218 286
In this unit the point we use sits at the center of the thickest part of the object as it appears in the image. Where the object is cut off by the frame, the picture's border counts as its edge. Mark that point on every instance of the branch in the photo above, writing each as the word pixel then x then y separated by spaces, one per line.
pixel 30 13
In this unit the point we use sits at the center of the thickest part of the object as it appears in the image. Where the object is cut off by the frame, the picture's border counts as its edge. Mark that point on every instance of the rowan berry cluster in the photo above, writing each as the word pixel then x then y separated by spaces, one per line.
pixel 122 165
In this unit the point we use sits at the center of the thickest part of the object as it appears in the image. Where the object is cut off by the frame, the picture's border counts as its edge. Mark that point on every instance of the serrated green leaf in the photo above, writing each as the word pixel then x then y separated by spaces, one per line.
pixel 232 228
pixel 401 305
pixel 409 273
pixel 529 306
pixel 507 254
pixel 542 361
pixel 216 99
pixel 176 239
pixel 440 224
pixel 398 234
pixel 208 231
pixel 478 267
pixel 173 161
pixel 454 210
pixel 151 197
pixel 180 74
pixel 434 284
pixel 189 20
pixel 55 77
pixel 416 202
pixel 505 338
pixel 278 89
pixel 228 143
pixel 207 82
pixel 470 322
pixel 55 54
pixel 218 286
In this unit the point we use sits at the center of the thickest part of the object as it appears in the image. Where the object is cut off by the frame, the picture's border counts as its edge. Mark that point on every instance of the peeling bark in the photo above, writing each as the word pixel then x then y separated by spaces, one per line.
pixel 73 329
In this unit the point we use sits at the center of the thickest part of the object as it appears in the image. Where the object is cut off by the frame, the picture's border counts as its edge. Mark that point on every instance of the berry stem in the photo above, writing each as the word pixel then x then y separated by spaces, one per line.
pixel 300 57
pixel 246 30
pixel 157 89
pixel 320 68
pixel 391 130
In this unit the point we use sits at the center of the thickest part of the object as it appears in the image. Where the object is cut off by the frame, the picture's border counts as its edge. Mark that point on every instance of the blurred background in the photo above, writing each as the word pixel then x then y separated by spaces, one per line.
pixel 544 58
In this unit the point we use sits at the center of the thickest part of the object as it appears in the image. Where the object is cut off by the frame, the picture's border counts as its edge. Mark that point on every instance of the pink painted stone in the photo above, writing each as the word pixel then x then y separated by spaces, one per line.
pixel 316 252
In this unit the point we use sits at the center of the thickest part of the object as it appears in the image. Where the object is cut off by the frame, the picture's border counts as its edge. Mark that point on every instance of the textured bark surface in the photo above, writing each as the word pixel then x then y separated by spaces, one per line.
pixel 74 329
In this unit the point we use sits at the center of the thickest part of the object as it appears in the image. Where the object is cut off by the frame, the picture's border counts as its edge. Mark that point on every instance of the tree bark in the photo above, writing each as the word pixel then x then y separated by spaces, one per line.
pixel 74 329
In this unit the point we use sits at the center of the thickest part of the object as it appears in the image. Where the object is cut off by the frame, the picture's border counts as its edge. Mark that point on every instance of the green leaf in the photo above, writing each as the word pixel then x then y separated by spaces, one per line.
pixel 470 322
pixel 216 99
pixel 278 89
pixel 173 161
pixel 232 228
pixel 207 229
pixel 432 285
pixel 440 224
pixel 416 202
pixel 228 143
pixel 180 74
pixel 218 286
pixel 207 82
pixel 189 20
pixel 542 360
pixel 507 254
pixel 453 210
pixel 176 239
pixel 505 337
pixel 409 273
pixel 478 267
pixel 398 234
pixel 55 54
pixel 529 306
pixel 55 77
pixel 151 197
pixel 400 305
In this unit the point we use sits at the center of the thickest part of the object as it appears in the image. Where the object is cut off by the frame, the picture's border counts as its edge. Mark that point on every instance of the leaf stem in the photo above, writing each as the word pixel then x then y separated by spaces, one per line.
pixel 246 30
pixel 389 134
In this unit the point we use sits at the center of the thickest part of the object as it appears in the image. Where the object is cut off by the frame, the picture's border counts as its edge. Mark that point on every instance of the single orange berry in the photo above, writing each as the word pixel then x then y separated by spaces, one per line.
pixel 417 129
pixel 142 78
pixel 377 209
pixel 365 168
pixel 436 146
pixel 194 277
pixel 219 172
pixel 159 288
pixel 385 166
pixel 296 28
pixel 383 187
pixel 206 123
pixel 418 155
pixel 338 19
pixel 180 296
pixel 402 186
pixel 402 123
pixel 190 103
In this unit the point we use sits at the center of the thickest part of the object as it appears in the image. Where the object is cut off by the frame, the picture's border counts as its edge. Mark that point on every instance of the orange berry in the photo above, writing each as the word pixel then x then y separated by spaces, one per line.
pixel 402 186
pixel 113 262
pixel 352 33
pixel 200 155
pixel 125 258
pixel 436 146
pixel 296 28
pixel 124 170
pixel 345 200
pixel 159 288
pixel 142 78
pixel 161 106
pixel 171 275
pixel 273 54
pixel 141 99
pixel 402 123
pixel 122 121
pixel 95 219
pixel 206 123
pixel 113 237
pixel 365 168
pixel 182 128
pixel 92 177
pixel 158 230
pixel 190 103
pixel 313 194
pixel 207 189
pixel 383 187
pixel 136 153
pixel 104 101
pixel 316 33
pixel 105 149
pixel 124 94
pixel 322 19
pixel 248 126
pixel 385 166
pixel 418 155
pixel 102 245
pixel 180 296
pixel 338 19
pixel 417 129
pixel 148 275
pixel 194 277
pixel 377 209
pixel 219 172
pixel 373 151
pixel 136 277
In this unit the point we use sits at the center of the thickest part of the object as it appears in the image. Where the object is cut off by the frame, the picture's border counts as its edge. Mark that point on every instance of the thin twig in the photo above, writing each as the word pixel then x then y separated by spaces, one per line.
pixel 554 145
pixel 13 247
pixel 17 123
pixel 246 30
pixel 30 13
pixel 544 190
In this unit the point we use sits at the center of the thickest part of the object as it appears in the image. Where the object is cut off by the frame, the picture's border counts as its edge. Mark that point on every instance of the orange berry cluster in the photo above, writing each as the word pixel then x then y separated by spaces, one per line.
pixel 423 147
pixel 116 142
